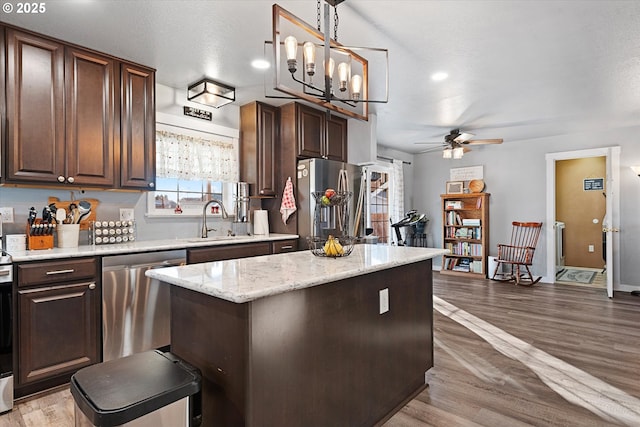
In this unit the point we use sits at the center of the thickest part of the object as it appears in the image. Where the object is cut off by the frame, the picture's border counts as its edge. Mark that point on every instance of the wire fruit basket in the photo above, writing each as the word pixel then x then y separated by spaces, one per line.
pixel 332 247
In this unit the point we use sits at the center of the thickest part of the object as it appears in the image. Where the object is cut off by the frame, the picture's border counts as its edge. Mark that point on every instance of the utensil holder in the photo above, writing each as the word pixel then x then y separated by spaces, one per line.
pixel 68 235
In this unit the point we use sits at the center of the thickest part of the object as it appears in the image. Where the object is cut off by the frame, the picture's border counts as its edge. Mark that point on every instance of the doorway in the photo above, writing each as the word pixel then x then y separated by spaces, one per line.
pixel 609 222
pixel 580 210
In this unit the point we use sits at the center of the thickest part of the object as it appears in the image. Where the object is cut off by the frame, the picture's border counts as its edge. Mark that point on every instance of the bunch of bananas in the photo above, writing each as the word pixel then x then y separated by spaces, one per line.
pixel 332 247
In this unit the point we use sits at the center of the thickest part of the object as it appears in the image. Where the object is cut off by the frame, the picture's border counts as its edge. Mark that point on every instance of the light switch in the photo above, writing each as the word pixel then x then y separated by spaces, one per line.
pixel 384 300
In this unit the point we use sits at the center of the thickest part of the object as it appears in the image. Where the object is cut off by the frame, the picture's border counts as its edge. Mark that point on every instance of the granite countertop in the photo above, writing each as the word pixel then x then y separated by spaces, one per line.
pixel 142 246
pixel 247 279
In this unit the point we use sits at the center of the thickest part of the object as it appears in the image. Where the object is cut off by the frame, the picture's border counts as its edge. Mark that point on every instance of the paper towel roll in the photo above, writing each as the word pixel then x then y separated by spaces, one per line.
pixel 261 222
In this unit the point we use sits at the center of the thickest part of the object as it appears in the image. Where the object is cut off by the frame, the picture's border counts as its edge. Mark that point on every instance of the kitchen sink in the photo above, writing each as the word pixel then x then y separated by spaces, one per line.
pixel 218 239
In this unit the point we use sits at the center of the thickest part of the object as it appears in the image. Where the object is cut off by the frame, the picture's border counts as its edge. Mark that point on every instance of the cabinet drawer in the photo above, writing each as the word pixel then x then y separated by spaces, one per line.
pixel 42 273
pixel 220 253
pixel 284 246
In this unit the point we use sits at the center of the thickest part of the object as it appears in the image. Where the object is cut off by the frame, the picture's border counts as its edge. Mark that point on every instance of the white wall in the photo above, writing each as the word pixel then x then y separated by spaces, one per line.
pixel 514 173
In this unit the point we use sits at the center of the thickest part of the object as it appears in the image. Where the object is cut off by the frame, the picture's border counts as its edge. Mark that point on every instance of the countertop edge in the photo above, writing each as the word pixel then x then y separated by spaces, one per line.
pixel 196 276
pixel 139 246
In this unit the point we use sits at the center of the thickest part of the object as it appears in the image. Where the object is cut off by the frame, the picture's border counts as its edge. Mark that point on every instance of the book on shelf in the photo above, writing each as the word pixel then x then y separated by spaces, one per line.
pixel 453 204
pixel 463 233
pixel 476 266
pixel 463 264
pixel 454 218
pixel 471 222
pixel 479 203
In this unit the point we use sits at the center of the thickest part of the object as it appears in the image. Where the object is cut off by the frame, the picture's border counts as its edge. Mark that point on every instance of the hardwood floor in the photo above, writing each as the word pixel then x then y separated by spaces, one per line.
pixel 546 355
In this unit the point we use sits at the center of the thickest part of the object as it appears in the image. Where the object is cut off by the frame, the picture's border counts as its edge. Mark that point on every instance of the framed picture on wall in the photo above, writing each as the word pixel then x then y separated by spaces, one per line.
pixel 455 187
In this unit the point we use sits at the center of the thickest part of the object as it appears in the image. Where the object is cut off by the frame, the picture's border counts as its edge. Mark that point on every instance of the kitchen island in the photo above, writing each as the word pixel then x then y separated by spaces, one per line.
pixel 298 340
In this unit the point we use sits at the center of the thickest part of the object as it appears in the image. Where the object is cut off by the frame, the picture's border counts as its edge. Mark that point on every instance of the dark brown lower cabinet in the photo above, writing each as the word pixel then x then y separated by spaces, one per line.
pixel 320 356
pixel 58 326
pixel 224 252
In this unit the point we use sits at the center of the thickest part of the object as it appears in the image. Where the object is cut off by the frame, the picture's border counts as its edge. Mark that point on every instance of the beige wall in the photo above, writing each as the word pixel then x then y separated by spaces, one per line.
pixel 578 208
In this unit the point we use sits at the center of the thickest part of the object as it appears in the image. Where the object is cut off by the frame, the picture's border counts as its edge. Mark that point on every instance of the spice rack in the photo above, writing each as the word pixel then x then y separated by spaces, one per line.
pixel 111 232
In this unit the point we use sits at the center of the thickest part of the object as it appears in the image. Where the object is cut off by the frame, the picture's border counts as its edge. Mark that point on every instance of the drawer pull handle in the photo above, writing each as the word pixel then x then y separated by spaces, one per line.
pixel 51 273
pixel 286 247
pixel 5 272
pixel 92 285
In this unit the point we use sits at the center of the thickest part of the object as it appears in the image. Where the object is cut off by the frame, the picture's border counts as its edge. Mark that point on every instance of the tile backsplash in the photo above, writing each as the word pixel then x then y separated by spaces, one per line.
pixel 21 200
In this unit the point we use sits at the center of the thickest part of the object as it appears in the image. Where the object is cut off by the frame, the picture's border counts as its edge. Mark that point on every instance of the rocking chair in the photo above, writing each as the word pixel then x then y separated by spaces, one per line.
pixel 519 254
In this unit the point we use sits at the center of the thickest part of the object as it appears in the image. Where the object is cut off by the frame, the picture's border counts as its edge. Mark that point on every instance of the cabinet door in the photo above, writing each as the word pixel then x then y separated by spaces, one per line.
pixel 266 149
pixel 258 137
pixel 35 109
pixel 90 117
pixel 57 330
pixel 138 124
pixel 220 253
pixel 336 144
pixel 311 131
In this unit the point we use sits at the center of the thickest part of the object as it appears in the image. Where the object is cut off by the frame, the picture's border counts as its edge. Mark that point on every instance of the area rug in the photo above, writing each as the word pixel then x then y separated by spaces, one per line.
pixel 572 275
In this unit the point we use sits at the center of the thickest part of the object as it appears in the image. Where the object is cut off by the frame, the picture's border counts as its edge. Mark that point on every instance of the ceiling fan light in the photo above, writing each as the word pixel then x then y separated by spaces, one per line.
pixel 458 152
pixel 464 136
pixel 447 153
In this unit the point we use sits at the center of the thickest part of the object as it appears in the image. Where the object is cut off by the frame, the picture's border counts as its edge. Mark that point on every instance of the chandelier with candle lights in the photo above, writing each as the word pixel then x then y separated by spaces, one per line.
pixel 312 66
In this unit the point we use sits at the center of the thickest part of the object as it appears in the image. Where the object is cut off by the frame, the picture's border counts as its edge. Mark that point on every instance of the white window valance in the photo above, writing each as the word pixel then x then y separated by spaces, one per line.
pixel 195 158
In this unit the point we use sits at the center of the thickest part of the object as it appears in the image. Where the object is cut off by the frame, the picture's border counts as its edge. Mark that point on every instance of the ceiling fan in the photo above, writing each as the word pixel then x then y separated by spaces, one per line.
pixel 455 144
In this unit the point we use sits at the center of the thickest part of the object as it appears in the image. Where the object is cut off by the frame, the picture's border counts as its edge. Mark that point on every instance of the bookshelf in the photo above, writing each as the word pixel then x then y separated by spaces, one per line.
pixel 465 232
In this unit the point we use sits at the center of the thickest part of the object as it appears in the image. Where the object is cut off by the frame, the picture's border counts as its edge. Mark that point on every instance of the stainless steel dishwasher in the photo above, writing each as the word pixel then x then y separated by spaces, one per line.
pixel 135 309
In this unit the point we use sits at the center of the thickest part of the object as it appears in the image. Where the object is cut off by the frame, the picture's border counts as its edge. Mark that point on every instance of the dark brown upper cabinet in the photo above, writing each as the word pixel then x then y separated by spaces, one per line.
pixel 35 144
pixel 138 127
pixel 258 139
pixel 68 109
pixel 314 134
pixel 90 118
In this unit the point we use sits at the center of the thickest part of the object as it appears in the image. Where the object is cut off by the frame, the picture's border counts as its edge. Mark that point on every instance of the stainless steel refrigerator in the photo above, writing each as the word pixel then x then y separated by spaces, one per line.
pixel 317 175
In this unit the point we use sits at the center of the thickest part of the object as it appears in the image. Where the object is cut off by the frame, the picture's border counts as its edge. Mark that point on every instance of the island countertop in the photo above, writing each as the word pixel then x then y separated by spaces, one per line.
pixel 248 279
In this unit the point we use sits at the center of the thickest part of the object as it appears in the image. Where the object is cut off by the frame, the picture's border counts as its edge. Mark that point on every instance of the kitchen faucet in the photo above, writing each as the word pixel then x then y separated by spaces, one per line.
pixel 205 230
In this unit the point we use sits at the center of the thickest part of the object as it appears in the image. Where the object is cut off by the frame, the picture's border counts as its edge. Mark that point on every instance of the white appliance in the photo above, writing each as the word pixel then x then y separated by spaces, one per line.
pixel 559 226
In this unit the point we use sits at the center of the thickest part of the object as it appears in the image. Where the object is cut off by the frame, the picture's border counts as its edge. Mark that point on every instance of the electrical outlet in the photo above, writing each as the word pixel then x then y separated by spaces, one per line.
pixel 384 300
pixel 126 214
pixel 592 248
pixel 7 215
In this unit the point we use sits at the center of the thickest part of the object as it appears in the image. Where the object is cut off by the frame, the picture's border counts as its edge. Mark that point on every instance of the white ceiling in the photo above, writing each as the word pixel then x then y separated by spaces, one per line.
pixel 518 70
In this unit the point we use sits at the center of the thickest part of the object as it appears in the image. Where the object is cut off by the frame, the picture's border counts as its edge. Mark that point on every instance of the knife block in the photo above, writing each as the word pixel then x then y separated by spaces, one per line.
pixel 38 242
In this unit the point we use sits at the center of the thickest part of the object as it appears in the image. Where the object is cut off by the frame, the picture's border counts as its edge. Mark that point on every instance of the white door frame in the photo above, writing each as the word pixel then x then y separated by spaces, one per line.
pixel 612 155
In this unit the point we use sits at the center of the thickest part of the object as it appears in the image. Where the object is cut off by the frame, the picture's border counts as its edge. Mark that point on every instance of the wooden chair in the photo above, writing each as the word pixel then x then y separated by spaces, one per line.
pixel 519 253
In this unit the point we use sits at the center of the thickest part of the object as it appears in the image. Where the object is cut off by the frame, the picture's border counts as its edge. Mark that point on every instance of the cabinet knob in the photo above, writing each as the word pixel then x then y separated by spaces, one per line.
pixel 61 178
pixel 151 185
pixel 70 180
pixel 92 286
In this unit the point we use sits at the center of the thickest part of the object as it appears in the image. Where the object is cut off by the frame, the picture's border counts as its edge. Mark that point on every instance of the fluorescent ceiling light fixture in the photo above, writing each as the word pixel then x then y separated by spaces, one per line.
pixel 439 76
pixel 212 93
pixel 260 64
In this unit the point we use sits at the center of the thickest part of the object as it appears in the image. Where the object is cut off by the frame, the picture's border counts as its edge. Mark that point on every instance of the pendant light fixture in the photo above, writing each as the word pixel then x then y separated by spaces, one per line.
pixel 312 66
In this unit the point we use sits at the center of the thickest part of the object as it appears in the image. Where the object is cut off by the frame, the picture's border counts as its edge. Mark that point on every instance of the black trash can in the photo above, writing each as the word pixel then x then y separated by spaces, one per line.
pixel 144 389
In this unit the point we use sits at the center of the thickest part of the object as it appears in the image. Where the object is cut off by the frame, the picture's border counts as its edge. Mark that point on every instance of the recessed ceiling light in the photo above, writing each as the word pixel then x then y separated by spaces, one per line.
pixel 439 76
pixel 260 64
